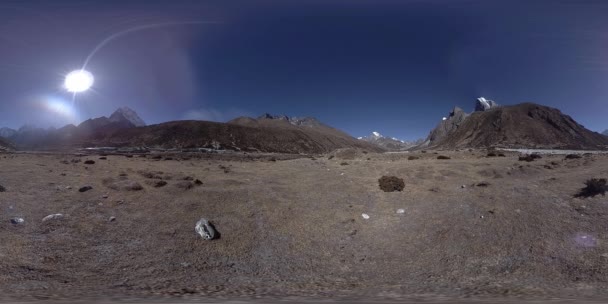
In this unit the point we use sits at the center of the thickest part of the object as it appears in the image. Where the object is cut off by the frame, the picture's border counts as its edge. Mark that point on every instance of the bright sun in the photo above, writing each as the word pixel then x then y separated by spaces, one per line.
pixel 78 81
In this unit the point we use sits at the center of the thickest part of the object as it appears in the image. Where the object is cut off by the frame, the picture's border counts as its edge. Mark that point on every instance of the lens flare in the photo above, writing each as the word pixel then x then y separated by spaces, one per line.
pixel 78 81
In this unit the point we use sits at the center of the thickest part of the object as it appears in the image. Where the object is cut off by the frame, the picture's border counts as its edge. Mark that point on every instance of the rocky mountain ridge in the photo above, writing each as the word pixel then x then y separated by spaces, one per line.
pixel 389 143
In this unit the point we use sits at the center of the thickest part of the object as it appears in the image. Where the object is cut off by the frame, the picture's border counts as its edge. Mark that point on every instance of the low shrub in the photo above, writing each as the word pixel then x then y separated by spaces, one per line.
pixel 391 183
pixel 593 187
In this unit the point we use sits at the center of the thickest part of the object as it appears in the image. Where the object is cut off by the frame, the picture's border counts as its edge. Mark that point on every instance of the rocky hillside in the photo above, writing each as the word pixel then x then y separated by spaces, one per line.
pixel 243 133
pixel 389 143
pixel 526 125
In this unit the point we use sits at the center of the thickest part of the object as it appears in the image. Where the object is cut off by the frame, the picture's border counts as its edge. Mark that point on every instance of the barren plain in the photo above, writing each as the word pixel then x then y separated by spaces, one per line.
pixel 471 226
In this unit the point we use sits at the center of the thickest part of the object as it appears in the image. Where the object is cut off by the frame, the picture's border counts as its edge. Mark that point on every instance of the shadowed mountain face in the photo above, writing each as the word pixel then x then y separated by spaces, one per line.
pixel 243 133
pixel 524 125
pixel 605 132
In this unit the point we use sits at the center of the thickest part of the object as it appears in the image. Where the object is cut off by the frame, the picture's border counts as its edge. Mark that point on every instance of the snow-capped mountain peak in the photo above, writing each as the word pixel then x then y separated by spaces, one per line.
pixel 376 134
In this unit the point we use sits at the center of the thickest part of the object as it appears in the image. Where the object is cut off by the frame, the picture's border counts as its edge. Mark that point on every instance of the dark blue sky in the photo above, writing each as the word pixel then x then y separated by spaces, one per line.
pixel 395 67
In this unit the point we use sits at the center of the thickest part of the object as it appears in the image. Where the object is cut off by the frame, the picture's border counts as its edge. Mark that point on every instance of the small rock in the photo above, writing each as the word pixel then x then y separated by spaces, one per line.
pixel 604 255
pixel 159 183
pixel 198 182
pixel 111 219
pixel 89 162
pixel 185 185
pixel 463 186
pixel 56 216
pixel 104 196
pixel 365 216
pixel 2 189
pixel 103 157
pixel 17 221
pixel 400 211
pixel 68 187
pixel 341 173
pixel 85 189
pixel 205 229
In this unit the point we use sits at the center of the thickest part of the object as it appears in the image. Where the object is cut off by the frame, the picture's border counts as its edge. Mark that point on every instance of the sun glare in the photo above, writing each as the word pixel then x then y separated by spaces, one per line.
pixel 78 81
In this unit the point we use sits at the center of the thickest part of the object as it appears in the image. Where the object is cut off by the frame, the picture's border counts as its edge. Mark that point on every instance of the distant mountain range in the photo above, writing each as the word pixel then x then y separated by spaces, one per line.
pixel 389 143
pixel 87 132
pixel 525 125
pixel 605 132
pixel 124 128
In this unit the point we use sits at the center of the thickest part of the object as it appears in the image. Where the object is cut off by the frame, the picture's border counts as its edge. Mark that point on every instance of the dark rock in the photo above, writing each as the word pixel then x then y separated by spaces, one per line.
pixel 573 156
pixel 103 158
pixel 2 189
pixel 391 183
pixel 343 164
pixel 443 157
pixel 85 189
pixel 198 182
pixel 89 162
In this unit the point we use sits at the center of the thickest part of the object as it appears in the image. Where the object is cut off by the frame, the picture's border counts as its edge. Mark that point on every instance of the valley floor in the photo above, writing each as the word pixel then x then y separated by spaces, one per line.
pixel 471 227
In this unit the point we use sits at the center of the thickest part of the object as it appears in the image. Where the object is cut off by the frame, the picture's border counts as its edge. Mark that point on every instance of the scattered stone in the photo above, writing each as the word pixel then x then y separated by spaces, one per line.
pixel 412 157
pixel 89 162
pixel 123 184
pixel 573 156
pixel 157 183
pixel 128 156
pixel 443 157
pixel 530 157
pixel 103 157
pixel 205 229
pixel 56 216
pixel 463 186
pixel 188 178
pixel 341 173
pixel 483 184
pixel 365 216
pixel 391 183
pixel 343 164
pixel 198 182
pixel 273 159
pixel 104 196
pixel 111 219
pixel 2 189
pixel 85 189
pixel 185 185
pixel 330 157
pixel 68 187
pixel 17 221
pixel 400 211
pixel 157 157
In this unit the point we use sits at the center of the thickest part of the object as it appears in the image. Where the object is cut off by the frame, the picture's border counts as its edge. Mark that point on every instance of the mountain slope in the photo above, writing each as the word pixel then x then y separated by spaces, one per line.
pixel 5 145
pixel 525 125
pixel 605 132
pixel 257 135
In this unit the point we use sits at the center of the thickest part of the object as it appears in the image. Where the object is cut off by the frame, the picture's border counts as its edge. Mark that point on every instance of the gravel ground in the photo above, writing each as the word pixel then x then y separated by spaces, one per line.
pixel 293 228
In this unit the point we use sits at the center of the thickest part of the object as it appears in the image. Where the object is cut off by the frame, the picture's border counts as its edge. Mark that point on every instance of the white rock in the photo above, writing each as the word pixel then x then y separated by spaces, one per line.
pixel 400 211
pixel 365 216
pixel 205 229
pixel 56 216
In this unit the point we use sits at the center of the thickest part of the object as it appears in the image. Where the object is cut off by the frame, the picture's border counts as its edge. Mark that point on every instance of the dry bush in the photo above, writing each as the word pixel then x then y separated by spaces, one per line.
pixel 593 187
pixel 343 164
pixel 530 157
pixel 412 157
pixel 492 154
pixel 443 157
pixel 391 183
